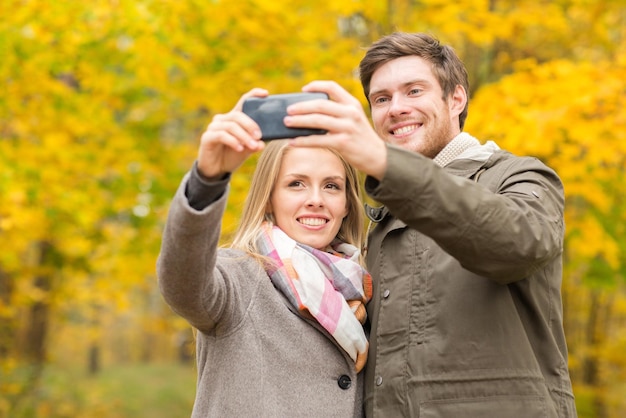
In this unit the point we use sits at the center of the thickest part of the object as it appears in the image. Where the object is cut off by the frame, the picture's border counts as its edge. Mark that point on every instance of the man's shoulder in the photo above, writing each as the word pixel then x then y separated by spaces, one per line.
pixel 503 159
pixel 503 166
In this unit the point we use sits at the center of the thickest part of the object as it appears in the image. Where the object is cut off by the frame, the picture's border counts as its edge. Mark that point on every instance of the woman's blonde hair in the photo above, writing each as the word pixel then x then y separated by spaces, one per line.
pixel 255 210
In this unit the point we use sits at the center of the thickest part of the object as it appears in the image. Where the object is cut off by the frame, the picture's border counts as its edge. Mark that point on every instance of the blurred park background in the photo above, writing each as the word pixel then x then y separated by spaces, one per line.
pixel 101 107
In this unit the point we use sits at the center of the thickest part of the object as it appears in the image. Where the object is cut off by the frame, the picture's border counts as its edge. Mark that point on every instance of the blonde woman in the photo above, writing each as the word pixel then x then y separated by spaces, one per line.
pixel 280 313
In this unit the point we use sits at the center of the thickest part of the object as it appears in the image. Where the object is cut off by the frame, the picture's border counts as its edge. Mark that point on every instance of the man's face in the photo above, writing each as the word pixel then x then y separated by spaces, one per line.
pixel 408 108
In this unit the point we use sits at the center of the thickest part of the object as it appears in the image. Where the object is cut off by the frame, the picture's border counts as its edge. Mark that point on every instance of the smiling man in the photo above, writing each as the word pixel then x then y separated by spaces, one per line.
pixel 466 254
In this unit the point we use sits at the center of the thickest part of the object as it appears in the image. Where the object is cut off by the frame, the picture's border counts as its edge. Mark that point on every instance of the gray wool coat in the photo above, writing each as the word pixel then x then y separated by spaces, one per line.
pixel 256 356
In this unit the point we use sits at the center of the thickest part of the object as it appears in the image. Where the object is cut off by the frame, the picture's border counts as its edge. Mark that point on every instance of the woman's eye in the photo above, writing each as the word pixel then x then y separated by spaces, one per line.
pixel 333 186
pixel 295 183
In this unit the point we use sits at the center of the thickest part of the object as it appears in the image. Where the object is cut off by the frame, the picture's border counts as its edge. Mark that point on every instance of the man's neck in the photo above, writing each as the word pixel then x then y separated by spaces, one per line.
pixel 456 147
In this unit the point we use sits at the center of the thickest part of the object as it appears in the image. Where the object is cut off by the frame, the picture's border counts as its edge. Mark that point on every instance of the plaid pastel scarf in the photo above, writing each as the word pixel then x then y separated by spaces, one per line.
pixel 331 286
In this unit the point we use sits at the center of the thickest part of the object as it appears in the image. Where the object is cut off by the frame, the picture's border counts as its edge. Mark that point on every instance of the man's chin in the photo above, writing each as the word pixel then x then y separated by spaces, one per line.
pixel 407 142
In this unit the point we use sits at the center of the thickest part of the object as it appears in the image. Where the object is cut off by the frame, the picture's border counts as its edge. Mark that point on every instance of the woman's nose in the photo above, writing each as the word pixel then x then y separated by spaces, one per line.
pixel 315 198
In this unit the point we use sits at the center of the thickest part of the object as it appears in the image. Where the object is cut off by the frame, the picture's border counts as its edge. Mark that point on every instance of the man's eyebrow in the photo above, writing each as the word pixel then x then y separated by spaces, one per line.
pixel 421 81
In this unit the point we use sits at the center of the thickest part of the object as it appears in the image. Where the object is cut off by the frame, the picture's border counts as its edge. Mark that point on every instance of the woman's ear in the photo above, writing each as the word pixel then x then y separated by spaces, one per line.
pixel 346 211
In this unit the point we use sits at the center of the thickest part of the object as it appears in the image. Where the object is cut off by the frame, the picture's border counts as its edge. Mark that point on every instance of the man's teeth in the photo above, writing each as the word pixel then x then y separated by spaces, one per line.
pixel 404 130
pixel 312 221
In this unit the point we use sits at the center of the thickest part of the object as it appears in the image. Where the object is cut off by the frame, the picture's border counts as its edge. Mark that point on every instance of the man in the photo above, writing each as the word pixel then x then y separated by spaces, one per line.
pixel 466 252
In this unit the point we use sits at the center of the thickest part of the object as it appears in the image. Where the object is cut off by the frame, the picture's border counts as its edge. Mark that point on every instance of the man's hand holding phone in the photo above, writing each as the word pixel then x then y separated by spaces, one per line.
pixel 349 129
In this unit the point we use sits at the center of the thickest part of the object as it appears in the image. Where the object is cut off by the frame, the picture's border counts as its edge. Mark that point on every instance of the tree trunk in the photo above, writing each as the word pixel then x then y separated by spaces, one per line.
pixel 8 328
pixel 599 315
pixel 94 359
pixel 37 327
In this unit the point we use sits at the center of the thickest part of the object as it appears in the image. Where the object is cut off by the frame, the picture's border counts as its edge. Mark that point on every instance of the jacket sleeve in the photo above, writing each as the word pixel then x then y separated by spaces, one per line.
pixel 189 277
pixel 504 232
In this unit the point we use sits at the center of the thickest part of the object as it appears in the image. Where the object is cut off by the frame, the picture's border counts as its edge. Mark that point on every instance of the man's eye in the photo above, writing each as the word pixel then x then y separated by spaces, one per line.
pixel 381 100
pixel 415 91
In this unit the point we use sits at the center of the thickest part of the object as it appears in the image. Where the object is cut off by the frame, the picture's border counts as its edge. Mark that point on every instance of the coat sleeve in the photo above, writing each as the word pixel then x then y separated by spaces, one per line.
pixel 504 232
pixel 189 276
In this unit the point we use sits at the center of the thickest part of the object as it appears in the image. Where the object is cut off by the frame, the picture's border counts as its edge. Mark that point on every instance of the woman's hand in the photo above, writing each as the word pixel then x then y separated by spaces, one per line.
pixel 229 139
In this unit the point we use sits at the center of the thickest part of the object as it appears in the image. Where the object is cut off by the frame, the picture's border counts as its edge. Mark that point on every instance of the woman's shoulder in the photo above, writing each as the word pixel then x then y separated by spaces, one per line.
pixel 227 252
pixel 238 259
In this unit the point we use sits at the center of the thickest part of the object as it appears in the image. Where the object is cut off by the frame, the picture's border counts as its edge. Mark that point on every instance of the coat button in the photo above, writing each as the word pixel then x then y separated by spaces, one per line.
pixel 344 382
pixel 379 380
pixel 386 293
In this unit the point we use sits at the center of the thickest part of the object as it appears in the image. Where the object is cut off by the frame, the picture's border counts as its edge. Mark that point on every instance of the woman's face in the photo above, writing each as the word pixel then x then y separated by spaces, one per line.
pixel 309 198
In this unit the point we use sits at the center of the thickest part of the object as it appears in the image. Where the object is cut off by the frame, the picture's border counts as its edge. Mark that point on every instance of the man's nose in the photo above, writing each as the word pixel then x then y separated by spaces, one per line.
pixel 398 105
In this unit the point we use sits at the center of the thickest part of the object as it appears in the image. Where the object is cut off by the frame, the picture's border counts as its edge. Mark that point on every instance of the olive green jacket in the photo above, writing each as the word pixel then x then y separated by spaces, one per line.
pixel 467 312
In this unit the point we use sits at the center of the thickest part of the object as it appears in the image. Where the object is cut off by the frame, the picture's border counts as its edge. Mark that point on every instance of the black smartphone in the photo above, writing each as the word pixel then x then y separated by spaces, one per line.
pixel 269 112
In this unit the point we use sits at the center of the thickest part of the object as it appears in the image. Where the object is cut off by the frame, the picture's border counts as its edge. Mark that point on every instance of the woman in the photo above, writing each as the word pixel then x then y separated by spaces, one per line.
pixel 279 314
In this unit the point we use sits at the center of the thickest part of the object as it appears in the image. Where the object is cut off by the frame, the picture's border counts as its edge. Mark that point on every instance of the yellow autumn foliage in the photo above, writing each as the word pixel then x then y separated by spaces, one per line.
pixel 103 103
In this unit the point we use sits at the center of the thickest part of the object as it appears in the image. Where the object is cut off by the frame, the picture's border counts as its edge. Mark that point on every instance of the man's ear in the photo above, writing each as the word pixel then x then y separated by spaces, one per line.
pixel 458 100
